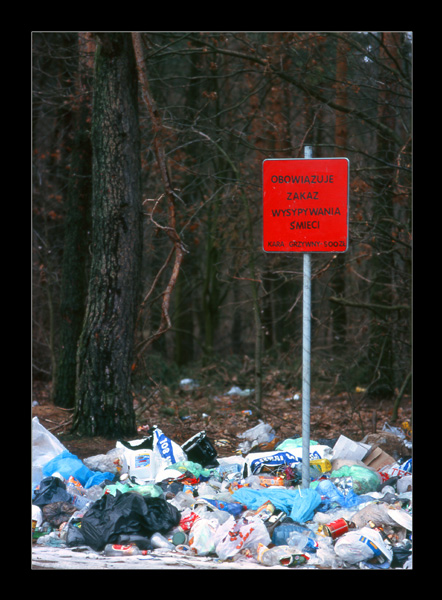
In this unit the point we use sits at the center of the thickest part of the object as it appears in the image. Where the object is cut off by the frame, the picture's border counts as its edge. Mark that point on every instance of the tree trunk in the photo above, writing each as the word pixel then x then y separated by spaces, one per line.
pixel 104 404
pixel 381 341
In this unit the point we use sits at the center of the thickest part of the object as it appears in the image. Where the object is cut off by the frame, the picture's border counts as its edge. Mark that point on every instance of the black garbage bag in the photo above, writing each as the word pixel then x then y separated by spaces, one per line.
pixel 401 553
pixel 74 535
pixel 51 489
pixel 127 513
pixel 199 449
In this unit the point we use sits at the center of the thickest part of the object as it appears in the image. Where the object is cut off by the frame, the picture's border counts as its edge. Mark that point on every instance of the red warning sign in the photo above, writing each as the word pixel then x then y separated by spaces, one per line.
pixel 305 204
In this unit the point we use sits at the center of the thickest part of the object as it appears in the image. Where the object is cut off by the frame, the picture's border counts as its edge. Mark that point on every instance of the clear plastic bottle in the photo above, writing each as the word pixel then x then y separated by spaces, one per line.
pixel 304 541
pixel 79 498
pixel 292 534
pixel 159 541
pixel 123 550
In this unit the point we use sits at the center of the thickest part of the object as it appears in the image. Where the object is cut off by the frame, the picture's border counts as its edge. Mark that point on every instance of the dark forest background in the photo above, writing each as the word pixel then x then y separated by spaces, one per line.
pixel 197 114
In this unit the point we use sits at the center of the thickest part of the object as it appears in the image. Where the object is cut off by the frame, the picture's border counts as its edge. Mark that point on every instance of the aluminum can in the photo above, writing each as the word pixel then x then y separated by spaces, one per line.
pixel 336 528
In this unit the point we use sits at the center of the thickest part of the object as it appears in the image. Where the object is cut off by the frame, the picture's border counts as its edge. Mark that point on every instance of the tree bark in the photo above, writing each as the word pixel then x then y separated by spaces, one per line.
pixel 337 282
pixel 381 356
pixel 104 403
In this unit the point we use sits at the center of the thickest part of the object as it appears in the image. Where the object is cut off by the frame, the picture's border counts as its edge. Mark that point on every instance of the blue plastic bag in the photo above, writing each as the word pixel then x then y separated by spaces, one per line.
pixel 68 465
pixel 330 494
pixel 299 504
pixel 304 506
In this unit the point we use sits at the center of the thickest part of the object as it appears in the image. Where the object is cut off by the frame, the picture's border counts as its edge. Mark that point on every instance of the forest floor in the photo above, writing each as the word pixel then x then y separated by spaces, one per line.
pixel 180 414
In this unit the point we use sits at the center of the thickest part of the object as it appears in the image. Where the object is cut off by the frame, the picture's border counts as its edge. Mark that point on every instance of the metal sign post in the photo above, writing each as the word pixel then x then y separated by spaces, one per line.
pixel 305 209
pixel 306 357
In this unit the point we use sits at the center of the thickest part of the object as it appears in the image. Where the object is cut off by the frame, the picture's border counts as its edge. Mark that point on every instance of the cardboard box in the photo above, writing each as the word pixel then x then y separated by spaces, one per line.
pixel 348 449
pixel 377 459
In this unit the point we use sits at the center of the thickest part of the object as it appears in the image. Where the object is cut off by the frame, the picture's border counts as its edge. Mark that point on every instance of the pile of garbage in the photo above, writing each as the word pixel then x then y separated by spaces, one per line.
pixel 151 496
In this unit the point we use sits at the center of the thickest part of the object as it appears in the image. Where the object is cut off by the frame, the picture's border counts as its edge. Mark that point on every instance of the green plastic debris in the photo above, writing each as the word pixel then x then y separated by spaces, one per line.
pixel 364 480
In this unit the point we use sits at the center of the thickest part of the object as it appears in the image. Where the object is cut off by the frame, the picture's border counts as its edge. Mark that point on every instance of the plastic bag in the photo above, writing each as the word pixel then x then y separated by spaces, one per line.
pixel 51 489
pixel 377 512
pixel 196 469
pixel 395 470
pixel 234 536
pixel 255 461
pixel 145 458
pixel 57 513
pixel 201 536
pixel 361 545
pixel 129 513
pixel 111 462
pixel 167 452
pixel 68 465
pixel 37 516
pixel 262 433
pixel 74 534
pixel 304 506
pixel 330 495
pixel 325 555
pixel 45 447
pixel 291 457
pixel 291 443
pixel 364 480
pixel 148 489
pixel 298 504
pixel 199 449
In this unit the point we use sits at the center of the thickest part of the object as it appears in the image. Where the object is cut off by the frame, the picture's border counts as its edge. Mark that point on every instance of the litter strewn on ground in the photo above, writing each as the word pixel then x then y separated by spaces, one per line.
pixel 154 503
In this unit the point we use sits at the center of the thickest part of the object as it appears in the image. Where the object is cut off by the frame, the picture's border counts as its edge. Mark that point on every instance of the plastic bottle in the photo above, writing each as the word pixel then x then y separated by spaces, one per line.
pixel 284 530
pixel 81 502
pixel 159 541
pixel 280 555
pixel 75 489
pixel 123 550
pixel 303 541
pixel 95 492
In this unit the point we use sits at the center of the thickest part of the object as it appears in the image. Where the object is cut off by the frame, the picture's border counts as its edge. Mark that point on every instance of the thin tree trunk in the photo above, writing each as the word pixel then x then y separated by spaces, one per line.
pixel 337 282
pixel 381 335
pixel 75 260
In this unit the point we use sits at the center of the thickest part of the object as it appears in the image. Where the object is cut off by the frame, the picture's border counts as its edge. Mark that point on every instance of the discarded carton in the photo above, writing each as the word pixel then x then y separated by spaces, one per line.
pixel 346 448
pixel 377 459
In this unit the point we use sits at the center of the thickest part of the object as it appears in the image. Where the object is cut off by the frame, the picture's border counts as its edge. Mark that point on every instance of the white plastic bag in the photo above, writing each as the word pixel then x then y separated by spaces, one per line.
pixel 262 433
pixel 360 545
pixel 45 447
pixel 255 461
pixel 167 452
pixel 201 536
pixel 145 458
pixel 234 536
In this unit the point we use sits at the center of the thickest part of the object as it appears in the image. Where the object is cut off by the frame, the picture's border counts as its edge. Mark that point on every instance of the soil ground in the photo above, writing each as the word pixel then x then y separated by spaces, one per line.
pixel 182 414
